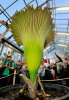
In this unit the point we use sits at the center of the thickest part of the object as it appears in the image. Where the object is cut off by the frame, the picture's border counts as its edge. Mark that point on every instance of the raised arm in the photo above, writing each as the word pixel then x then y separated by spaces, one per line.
pixel 59 58
pixel 3 22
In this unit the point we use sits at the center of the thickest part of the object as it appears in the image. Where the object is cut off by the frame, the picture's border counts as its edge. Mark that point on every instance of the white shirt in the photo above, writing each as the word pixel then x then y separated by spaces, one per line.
pixel 40 69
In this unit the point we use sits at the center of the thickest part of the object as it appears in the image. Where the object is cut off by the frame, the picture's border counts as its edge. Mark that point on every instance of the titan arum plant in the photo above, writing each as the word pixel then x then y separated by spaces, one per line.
pixel 34 29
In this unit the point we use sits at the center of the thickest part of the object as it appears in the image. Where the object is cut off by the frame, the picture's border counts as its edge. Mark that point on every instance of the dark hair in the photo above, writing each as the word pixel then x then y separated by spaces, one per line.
pixel 65 58
pixel 19 60
pixel 8 56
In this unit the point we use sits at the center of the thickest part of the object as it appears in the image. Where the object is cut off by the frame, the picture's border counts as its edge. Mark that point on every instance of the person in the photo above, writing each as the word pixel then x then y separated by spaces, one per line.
pixel 58 58
pixel 42 68
pixel 58 62
pixel 8 68
pixel 0 64
pixel 0 61
pixel 7 29
pixel 67 65
pixel 24 69
pixel 43 72
pixel 50 73
pixel 18 67
pixel 9 53
pixel 0 68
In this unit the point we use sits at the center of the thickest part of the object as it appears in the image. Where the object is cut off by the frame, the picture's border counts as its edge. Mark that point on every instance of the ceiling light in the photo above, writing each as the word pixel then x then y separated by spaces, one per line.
pixel 62 45
pixel 63 33
pixel 62 8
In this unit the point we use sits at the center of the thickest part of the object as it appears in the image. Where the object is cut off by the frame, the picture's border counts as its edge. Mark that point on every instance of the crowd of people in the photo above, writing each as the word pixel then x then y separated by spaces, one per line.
pixel 52 71
pixel 57 70
pixel 7 68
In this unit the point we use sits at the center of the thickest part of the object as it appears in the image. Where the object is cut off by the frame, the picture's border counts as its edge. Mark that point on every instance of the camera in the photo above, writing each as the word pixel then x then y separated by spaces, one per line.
pixel 7 24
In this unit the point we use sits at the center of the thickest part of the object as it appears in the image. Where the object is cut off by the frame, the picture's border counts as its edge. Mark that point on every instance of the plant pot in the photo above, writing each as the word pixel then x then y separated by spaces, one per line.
pixel 54 87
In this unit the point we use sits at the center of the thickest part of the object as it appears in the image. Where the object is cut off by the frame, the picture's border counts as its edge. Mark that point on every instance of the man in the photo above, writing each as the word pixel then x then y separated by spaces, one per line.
pixel 3 22
pixel 8 68
pixel 18 67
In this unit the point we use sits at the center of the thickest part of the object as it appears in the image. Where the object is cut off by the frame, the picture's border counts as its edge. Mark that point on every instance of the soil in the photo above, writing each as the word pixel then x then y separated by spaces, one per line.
pixel 14 95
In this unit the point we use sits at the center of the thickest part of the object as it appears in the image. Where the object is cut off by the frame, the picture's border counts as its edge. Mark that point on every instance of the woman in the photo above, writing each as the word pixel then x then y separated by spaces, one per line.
pixel 24 69
pixel 2 35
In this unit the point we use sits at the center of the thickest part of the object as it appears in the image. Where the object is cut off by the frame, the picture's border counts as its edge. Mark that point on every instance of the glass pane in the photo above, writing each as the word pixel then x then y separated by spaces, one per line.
pixel 40 2
pixel 33 3
pixel 17 6
pixel 61 3
pixel 6 3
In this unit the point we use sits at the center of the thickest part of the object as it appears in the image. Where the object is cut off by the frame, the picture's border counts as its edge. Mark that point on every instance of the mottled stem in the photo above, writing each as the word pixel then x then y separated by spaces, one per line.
pixel 32 91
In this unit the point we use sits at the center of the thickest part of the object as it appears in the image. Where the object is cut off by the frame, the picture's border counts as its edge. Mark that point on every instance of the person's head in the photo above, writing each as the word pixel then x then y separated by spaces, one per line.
pixel 19 62
pixel 66 58
pixel 24 62
pixel 8 58
pixel 52 65
pixel 9 53
pixel 57 60
pixel 42 60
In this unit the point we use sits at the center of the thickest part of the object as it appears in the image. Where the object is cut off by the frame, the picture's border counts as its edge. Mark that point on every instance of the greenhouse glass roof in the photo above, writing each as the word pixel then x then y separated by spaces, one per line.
pixel 60 13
